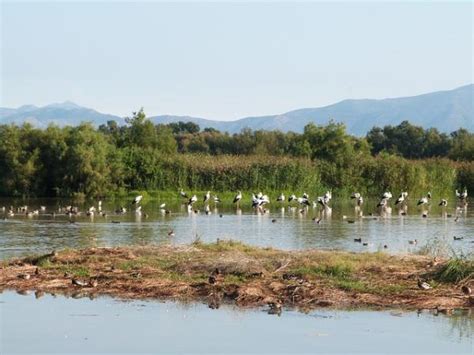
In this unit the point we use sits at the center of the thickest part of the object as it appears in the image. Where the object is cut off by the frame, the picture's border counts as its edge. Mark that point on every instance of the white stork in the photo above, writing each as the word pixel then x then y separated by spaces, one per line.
pixel 443 203
pixel 461 195
pixel 192 200
pixel 424 200
pixel 401 198
pixel 183 194
pixel 137 200
pixel 238 197
pixel 207 196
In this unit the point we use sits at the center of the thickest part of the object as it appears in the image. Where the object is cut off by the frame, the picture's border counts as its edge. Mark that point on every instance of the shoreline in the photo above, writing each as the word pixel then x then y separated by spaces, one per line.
pixel 229 272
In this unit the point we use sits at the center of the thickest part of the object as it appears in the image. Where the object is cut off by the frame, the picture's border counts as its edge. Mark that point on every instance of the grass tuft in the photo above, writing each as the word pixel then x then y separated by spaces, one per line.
pixel 455 270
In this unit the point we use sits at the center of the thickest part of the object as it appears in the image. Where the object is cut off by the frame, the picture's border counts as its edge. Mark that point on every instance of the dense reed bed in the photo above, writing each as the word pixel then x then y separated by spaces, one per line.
pixel 370 175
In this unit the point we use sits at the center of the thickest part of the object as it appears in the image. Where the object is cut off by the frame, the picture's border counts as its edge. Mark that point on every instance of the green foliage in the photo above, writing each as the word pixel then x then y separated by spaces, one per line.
pixel 86 162
pixel 455 270
pixel 414 142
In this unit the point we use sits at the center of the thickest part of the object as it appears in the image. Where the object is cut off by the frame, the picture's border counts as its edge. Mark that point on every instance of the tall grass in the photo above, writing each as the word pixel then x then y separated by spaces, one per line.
pixel 231 173
pixel 367 175
pixel 455 270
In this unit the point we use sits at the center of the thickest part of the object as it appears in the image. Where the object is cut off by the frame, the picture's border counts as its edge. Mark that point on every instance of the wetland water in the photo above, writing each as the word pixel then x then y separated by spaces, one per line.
pixel 283 227
pixel 66 325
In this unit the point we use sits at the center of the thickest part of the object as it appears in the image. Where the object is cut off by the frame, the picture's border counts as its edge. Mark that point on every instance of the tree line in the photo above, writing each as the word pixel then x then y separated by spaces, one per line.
pixel 143 156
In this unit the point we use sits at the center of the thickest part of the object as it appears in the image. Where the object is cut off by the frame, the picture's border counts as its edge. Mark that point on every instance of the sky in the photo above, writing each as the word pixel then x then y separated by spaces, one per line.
pixel 229 60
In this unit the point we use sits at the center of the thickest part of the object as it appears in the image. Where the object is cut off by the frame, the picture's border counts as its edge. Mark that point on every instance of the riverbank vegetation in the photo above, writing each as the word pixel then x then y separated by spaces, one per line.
pixel 114 160
pixel 232 272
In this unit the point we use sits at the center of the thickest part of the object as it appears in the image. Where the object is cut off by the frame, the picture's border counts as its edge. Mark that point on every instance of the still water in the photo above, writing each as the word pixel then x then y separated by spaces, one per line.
pixel 65 325
pixel 282 227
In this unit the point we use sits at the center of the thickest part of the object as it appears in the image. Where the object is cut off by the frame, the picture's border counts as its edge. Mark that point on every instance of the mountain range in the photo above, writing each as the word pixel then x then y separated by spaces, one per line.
pixel 444 110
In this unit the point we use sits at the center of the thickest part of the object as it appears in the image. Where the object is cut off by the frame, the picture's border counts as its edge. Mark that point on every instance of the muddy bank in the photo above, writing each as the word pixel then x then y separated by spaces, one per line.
pixel 231 272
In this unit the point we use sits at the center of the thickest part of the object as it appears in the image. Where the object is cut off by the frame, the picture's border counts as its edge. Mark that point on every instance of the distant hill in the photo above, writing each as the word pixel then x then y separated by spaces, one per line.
pixel 445 110
pixel 62 114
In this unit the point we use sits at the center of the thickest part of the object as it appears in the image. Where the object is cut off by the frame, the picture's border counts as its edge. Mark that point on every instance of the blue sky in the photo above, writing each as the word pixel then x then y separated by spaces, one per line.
pixel 229 60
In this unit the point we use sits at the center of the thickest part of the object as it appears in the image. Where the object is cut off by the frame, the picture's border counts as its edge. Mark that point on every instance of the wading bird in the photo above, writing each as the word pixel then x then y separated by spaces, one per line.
pixel 358 197
pixel 238 197
pixel 443 203
pixel 192 200
pixel 207 196
pixel 259 200
pixel 281 198
pixel 303 201
pixel 355 195
pixel 401 199
pixel 137 200
pixel 424 200
pixel 322 201
pixel 383 203
pixel 461 195
pixel 183 194
pixel 328 196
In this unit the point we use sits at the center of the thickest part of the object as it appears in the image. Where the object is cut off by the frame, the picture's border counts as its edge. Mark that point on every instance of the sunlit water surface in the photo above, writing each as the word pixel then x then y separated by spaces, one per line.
pixel 282 227
pixel 104 325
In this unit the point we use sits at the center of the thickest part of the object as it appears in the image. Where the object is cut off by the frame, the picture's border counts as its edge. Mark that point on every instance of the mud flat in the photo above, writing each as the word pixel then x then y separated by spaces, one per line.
pixel 235 273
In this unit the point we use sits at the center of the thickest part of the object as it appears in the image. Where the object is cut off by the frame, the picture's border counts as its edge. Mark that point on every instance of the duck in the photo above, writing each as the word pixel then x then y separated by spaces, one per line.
pixel 423 285
pixel 466 290
pixel 121 210
pixel 215 276
pixel 274 307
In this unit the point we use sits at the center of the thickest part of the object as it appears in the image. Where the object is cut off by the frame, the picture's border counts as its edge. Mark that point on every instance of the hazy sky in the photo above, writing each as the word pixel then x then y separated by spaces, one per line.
pixel 228 60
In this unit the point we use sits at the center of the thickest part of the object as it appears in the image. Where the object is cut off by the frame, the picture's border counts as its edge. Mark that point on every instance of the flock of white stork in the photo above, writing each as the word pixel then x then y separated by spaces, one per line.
pixel 258 202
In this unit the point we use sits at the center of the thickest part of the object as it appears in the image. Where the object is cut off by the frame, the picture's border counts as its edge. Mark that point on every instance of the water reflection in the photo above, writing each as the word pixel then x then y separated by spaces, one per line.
pixel 107 325
pixel 283 227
